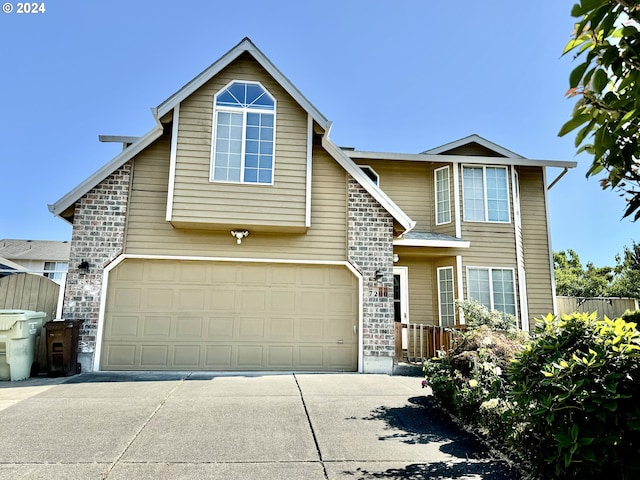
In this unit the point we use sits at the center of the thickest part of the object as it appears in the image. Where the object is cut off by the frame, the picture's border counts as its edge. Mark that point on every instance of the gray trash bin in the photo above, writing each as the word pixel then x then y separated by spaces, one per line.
pixel 18 332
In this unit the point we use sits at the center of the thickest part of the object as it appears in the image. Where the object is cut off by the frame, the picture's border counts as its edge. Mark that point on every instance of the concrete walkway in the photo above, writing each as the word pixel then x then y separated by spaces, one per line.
pixel 202 426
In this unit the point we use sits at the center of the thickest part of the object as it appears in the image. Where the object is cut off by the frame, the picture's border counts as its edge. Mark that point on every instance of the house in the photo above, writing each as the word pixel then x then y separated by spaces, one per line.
pixel 43 257
pixel 236 235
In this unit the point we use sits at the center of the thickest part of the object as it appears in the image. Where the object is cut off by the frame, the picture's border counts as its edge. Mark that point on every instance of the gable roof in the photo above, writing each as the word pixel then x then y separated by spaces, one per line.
pixel 246 45
pixel 494 147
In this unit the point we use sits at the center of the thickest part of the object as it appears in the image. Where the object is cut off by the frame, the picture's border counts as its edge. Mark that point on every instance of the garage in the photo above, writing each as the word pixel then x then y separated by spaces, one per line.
pixel 242 316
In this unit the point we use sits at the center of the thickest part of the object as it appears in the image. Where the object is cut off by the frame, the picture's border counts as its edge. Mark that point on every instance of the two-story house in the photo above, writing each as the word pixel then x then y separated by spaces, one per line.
pixel 235 235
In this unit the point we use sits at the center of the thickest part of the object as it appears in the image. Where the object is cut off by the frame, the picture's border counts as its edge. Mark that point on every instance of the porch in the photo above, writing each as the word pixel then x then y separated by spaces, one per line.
pixel 422 342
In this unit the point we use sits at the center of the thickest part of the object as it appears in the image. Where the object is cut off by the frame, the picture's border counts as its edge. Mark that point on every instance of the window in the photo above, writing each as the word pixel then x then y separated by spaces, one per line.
pixel 55 270
pixel 443 204
pixel 486 194
pixel 244 126
pixel 446 296
pixel 371 173
pixel 493 287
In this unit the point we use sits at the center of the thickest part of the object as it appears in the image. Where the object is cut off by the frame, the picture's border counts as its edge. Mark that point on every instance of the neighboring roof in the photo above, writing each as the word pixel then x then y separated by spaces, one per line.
pixel 48 250
pixel 430 239
pixel 474 139
pixel 165 107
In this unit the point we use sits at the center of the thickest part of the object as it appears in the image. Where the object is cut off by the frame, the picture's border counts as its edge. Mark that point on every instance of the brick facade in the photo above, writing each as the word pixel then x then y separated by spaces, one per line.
pixel 370 250
pixel 98 237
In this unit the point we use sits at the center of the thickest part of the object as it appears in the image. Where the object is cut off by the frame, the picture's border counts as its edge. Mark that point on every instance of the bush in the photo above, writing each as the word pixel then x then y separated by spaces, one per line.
pixel 573 395
pixel 469 379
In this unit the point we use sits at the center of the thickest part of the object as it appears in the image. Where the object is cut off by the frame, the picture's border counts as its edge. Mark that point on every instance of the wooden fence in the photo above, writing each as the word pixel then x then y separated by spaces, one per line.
pixel 612 307
pixel 423 341
pixel 25 291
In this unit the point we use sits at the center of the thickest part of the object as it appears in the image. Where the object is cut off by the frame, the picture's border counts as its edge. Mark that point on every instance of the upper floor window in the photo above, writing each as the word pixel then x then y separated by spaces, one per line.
pixel 371 173
pixel 485 194
pixel 244 126
pixel 443 200
pixel 55 270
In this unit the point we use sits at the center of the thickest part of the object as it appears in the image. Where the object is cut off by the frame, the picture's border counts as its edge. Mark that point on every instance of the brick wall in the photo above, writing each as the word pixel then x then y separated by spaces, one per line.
pixel 98 236
pixel 370 249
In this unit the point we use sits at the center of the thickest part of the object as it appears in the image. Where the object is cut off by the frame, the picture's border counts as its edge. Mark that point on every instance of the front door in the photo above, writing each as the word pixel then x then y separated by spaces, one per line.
pixel 401 301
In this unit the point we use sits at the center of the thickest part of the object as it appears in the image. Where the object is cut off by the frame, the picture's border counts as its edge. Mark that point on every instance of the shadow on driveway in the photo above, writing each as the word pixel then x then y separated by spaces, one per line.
pixel 420 422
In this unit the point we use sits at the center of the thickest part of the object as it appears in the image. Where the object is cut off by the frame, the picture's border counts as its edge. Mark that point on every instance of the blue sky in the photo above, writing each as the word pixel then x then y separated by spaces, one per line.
pixel 399 76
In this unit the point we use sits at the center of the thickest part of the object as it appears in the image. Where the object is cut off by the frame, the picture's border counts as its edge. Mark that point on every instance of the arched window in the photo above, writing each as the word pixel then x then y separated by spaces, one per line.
pixel 244 127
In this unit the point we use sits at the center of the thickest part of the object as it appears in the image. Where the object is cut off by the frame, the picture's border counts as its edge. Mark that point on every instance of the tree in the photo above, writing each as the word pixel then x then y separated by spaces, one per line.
pixel 573 280
pixel 607 82
pixel 626 281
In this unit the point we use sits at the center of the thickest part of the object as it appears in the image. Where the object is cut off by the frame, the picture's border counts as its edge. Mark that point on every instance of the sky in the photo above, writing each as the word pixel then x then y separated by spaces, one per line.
pixel 399 76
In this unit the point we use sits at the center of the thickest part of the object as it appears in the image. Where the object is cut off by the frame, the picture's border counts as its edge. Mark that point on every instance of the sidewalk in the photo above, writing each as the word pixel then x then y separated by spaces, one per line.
pixel 197 426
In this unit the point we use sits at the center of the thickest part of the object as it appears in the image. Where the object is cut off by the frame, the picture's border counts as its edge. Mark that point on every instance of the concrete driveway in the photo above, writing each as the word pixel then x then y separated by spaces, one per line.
pixel 203 426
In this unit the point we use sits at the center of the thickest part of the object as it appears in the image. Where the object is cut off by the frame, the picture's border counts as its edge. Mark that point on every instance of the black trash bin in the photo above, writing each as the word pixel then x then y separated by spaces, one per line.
pixel 62 347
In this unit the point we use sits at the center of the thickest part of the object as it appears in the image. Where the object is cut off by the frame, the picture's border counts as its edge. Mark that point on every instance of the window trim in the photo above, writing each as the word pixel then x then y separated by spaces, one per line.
pixel 484 193
pixel 244 111
pixel 453 292
pixel 491 297
pixel 435 192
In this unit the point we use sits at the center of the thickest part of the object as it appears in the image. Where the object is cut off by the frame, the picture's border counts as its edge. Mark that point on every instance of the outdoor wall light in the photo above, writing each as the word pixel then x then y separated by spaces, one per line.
pixel 239 235
pixel 84 266
pixel 396 258
pixel 378 275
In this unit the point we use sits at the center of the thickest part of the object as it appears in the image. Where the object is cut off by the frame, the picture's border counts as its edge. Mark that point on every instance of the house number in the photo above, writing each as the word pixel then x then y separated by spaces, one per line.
pixel 379 292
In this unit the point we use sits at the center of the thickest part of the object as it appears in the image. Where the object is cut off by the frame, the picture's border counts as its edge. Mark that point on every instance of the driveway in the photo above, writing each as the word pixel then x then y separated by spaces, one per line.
pixel 206 426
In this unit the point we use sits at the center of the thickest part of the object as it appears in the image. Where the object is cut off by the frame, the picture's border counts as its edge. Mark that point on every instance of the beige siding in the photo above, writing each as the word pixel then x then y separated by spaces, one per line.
pixel 535 242
pixel 281 204
pixel 410 186
pixel 149 233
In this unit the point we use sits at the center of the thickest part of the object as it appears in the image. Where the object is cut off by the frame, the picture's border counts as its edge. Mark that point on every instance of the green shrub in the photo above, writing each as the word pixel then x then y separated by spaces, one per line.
pixel 469 379
pixel 631 316
pixel 574 396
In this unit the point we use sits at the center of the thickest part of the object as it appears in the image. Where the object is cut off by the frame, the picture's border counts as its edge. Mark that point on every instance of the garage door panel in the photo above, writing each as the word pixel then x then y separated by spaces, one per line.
pixel 280 356
pixel 220 327
pixel 154 355
pixel 311 356
pixel 283 301
pixel 282 328
pixel 218 357
pixel 164 272
pixel 251 328
pixel 191 299
pixel 123 356
pixel 186 356
pixel 250 356
pixel 311 329
pixel 158 300
pixel 189 327
pixel 340 356
pixel 312 301
pixel 230 316
pixel 156 326
pixel 127 298
pixel 223 300
pixel 124 326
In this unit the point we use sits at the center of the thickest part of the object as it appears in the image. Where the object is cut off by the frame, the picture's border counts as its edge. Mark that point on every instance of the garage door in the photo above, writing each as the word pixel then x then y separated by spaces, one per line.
pixel 192 315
